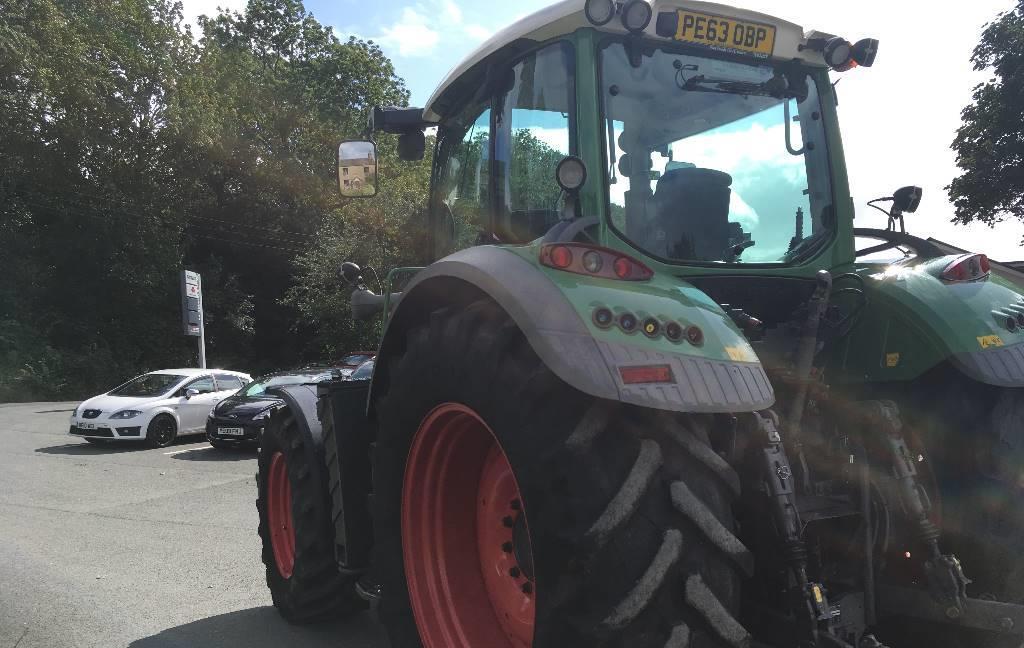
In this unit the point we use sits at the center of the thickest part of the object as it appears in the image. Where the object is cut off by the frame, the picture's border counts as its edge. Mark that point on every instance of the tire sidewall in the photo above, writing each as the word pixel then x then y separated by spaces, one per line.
pixel 272 444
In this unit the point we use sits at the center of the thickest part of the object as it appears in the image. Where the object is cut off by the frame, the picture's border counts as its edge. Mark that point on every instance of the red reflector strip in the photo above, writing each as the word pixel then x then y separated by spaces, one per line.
pixel 646 374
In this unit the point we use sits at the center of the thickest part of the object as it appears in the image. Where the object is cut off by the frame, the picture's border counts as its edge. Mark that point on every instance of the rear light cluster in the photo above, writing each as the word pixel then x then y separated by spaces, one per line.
pixel 652 327
pixel 593 261
pixel 968 267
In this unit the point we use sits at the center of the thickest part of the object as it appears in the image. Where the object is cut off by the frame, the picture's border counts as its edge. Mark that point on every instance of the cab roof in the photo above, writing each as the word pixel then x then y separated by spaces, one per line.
pixel 565 17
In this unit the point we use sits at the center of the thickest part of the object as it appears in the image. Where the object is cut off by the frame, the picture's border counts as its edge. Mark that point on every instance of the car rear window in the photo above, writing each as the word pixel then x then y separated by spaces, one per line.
pixel 261 385
pixel 152 384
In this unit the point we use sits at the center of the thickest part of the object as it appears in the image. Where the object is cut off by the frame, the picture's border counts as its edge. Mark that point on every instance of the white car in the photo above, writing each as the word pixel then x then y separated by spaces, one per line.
pixel 155 407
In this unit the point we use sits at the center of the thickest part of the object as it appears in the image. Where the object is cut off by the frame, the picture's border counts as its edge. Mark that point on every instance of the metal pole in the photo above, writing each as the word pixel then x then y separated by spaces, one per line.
pixel 202 328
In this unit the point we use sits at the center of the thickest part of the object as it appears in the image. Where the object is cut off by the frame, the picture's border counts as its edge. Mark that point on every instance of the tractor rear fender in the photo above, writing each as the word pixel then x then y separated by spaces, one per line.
pixel 914 321
pixel 554 311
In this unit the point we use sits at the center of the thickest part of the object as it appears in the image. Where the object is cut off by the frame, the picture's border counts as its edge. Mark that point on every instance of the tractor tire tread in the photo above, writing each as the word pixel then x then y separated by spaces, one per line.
pixel 316 589
pixel 620 562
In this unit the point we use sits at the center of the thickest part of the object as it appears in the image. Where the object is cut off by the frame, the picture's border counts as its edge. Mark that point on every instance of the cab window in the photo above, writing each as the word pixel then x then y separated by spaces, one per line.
pixel 534 132
pixel 461 202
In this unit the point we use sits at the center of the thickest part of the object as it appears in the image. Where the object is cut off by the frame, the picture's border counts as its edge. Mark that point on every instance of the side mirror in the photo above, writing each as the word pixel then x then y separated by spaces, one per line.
pixel 351 273
pixel 907 199
pixel 189 393
pixel 357 169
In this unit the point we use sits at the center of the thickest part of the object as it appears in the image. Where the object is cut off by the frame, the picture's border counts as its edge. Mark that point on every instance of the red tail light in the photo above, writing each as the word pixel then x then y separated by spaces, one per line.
pixel 969 267
pixel 646 374
pixel 593 261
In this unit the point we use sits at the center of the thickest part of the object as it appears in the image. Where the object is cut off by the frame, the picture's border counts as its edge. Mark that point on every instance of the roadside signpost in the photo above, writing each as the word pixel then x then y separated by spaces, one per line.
pixel 192 310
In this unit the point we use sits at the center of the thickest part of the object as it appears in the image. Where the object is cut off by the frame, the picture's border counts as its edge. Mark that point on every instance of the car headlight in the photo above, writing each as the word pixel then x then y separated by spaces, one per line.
pixel 262 415
pixel 125 414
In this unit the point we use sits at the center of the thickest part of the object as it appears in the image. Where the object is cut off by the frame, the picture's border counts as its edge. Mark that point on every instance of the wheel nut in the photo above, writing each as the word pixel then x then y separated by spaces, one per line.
pixel 514 572
pixel 515 505
pixel 507 547
pixel 527 588
pixel 508 521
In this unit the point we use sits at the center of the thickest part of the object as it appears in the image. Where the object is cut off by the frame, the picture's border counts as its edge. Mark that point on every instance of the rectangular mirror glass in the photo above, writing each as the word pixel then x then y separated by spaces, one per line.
pixel 357 169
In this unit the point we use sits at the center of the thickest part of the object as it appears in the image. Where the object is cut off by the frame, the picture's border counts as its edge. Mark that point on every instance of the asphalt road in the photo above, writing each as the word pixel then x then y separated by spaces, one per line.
pixel 128 546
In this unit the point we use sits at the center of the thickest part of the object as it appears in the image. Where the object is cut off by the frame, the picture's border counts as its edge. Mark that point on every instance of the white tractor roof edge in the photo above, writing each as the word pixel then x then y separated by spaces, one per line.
pixel 565 17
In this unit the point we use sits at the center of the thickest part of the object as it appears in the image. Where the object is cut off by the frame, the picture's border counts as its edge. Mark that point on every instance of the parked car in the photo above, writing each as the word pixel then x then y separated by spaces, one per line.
pixel 239 419
pixel 363 371
pixel 156 407
pixel 350 362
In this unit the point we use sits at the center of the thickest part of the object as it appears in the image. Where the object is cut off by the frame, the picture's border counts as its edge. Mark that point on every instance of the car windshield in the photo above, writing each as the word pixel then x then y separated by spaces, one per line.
pixel 261 385
pixel 355 359
pixel 364 371
pixel 153 384
pixel 714 161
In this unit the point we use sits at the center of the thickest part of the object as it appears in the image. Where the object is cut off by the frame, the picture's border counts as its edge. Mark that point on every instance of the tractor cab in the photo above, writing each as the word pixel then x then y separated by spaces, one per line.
pixel 708 135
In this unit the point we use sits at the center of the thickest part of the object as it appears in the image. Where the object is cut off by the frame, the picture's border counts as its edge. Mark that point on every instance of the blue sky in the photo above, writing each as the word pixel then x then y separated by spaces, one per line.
pixel 898 118
pixel 424 39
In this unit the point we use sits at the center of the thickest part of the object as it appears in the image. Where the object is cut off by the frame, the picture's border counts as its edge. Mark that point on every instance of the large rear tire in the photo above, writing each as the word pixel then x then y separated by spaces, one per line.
pixel 296 530
pixel 618 529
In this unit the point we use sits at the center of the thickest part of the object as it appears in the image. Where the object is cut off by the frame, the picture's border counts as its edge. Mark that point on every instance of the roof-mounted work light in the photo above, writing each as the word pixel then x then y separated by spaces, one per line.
pixel 599 12
pixel 841 55
pixel 636 15
pixel 864 51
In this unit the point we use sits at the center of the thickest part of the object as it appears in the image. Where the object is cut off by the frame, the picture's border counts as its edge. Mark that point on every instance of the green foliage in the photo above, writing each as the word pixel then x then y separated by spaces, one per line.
pixel 131 150
pixel 86 181
pixel 990 143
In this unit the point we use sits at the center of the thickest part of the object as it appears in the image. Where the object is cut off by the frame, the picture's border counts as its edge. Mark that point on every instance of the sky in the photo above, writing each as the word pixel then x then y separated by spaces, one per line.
pixel 898 118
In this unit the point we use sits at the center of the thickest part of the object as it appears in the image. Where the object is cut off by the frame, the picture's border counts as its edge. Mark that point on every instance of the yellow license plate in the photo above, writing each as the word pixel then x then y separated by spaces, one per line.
pixel 727 34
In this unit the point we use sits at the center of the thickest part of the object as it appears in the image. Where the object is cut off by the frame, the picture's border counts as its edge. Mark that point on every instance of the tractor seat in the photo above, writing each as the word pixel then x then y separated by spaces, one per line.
pixel 692 213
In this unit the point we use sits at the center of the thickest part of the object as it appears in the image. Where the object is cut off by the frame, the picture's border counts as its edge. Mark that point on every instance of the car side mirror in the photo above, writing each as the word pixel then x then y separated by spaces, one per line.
pixel 907 199
pixel 357 169
pixel 189 393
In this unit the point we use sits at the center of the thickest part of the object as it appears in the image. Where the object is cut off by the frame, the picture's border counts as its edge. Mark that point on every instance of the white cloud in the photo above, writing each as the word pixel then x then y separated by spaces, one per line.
pixel 451 12
pixel 423 26
pixel 477 32
pixel 411 35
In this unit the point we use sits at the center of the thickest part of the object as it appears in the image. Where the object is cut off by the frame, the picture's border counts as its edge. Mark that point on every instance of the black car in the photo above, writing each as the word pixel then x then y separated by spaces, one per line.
pixel 239 419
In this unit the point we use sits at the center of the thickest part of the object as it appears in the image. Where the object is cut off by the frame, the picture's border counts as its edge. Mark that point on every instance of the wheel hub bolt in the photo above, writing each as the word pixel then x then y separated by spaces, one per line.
pixel 507 547
pixel 508 521
pixel 515 505
pixel 527 588
pixel 514 572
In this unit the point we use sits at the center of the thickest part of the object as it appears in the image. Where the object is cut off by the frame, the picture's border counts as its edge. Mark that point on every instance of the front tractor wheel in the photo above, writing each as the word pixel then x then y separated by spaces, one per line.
pixel 296 530
pixel 515 512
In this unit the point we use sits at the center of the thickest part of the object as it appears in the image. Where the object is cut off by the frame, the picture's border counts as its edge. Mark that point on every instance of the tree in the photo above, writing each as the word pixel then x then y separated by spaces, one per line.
pixel 90 243
pixel 271 93
pixel 990 143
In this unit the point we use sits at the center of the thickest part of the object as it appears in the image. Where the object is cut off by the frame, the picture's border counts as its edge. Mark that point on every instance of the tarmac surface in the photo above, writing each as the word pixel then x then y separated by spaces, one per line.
pixel 128 546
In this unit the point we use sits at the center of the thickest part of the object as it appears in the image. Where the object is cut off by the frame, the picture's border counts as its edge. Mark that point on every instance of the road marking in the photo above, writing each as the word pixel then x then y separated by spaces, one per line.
pixel 187 450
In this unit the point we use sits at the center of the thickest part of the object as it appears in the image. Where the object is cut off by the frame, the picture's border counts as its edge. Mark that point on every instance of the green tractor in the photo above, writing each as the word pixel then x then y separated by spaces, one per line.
pixel 657 389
